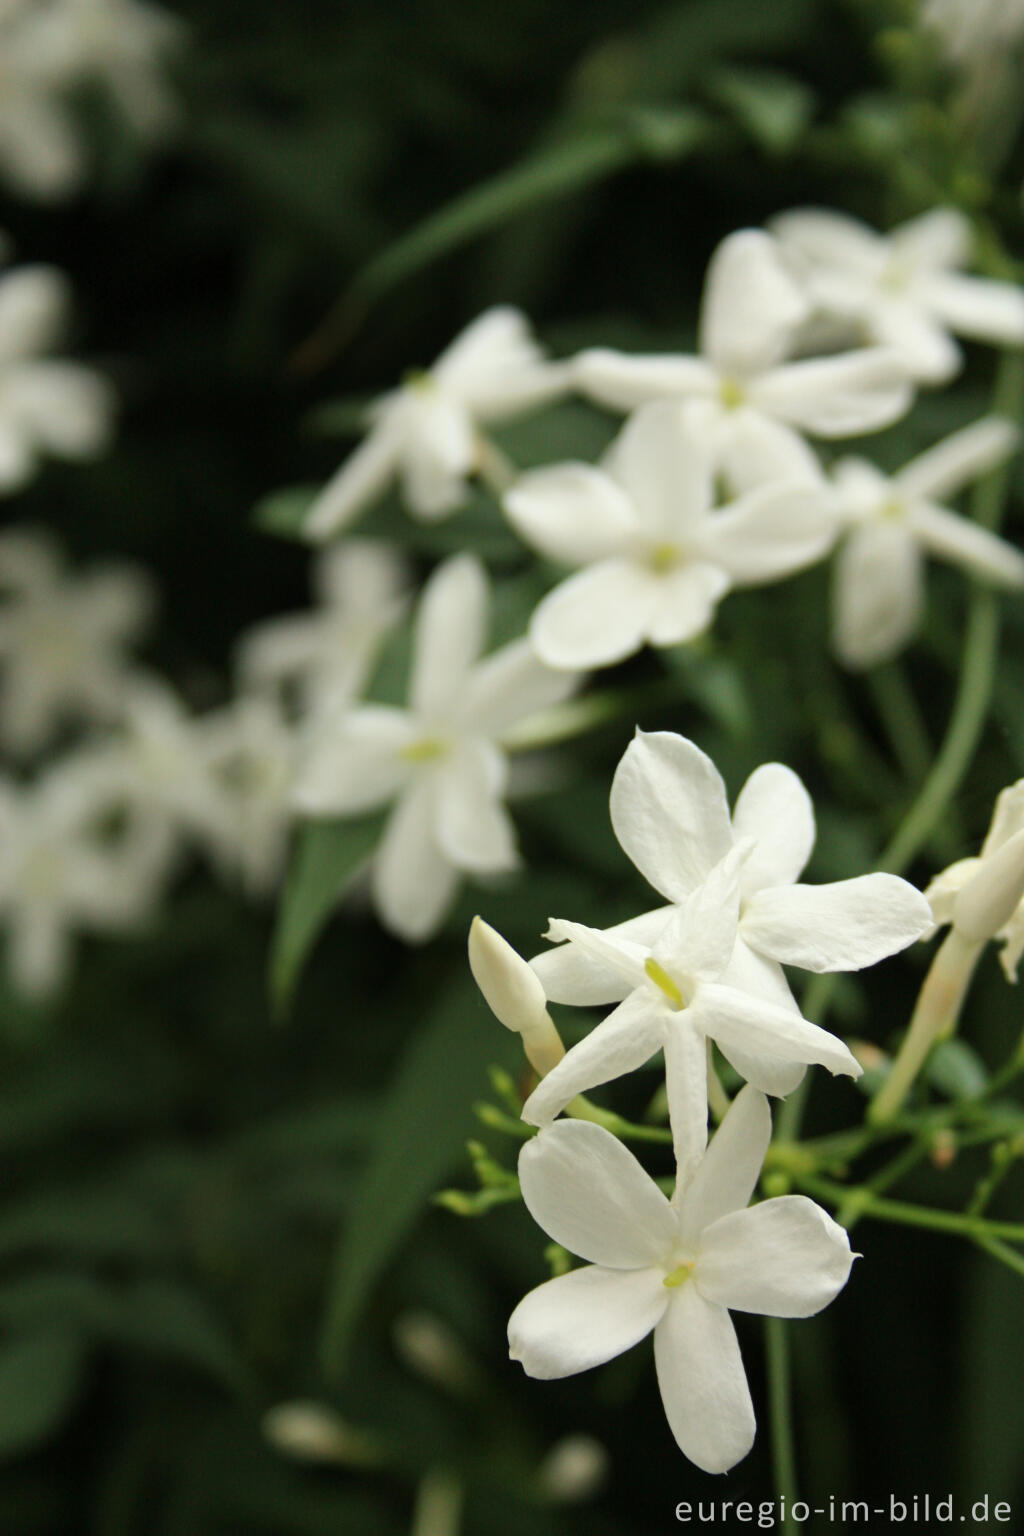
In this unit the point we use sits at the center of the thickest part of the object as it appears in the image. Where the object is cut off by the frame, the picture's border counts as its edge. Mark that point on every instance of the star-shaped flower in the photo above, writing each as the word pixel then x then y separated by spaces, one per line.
pixel 425 433
pixel 751 315
pixel 675 1268
pixel 894 522
pixel 656 554
pixel 906 290
pixel 440 759
pixel 251 752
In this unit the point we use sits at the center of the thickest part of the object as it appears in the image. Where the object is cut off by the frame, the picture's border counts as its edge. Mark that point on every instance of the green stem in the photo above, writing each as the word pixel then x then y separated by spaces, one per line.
pixel 781 1403
pixel 901 1213
pixel 1008 1256
pixel 902 720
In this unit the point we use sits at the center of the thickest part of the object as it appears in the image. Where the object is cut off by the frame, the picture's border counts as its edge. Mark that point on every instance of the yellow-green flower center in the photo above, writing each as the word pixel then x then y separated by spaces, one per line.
pixel 664 557
pixel 678 1276
pixel 664 982
pixel 427 750
pixel 731 393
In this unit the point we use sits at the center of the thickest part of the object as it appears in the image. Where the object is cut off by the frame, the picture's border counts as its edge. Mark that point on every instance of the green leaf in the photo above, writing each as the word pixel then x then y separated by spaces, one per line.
pixel 284 512
pixel 327 855
pixel 41 1375
pixel 956 1070
pixel 775 109
pixel 420 1137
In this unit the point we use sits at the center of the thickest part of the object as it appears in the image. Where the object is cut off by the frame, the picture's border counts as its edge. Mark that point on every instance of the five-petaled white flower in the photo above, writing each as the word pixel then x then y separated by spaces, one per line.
pixel 982 898
pixel 905 289
pixel 250 752
pixel 671 816
pixel 750 318
pixel 675 1268
pixel 62 639
pixel 440 759
pixel 657 555
pixel 47 405
pixel 425 433
pixel 327 655
pixel 894 522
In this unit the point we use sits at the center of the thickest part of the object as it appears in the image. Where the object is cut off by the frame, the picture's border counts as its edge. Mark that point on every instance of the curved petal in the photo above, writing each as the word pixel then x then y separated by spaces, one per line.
pixel 697 942
pixel 35 302
pixel 67 408
pixel 590 1194
pixel 734 1019
pixel 754 973
pixel 878 594
pixel 608 949
pixel 685 601
pixel 976 306
pixel 438 450
pixel 775 811
pixel 941 894
pixel 623 382
pixel 358 765
pixel 826 238
pixel 924 346
pixel 474 830
pixel 413 883
pixel 728 1174
pixel 598 617
pixel 772 532
pixel 702 1381
pixel 568 975
pixel 933 241
pixel 626 1039
pixel 669 812
pixel 496 366
pixel 572 513
pixel 775 1078
pixel 751 305
pixel 449 635
pixel 686 1086
pixel 754 450
pixel 508 686
pixel 837 396
pixel 943 471
pixel 984 554
pixel 663 459
pixel 839 927
pixel 584 1318
pixel 784 1258
pixel 360 480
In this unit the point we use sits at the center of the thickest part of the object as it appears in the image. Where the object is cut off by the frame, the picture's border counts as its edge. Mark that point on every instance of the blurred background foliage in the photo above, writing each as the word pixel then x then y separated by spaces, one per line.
pixel 178 1161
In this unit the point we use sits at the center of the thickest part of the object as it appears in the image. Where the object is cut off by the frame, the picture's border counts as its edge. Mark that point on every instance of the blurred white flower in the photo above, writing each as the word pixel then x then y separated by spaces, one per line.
pixel 251 753
pixel 973 30
pixel 327 655
pixel 440 759
pixel 47 405
pixel 50 47
pixel 751 315
pixel 905 289
pixel 676 1269
pixel 425 433
pixel 63 869
pixel 574 1469
pixel 671 816
pixel 657 554
pixel 63 639
pixel 895 522
pixel 982 898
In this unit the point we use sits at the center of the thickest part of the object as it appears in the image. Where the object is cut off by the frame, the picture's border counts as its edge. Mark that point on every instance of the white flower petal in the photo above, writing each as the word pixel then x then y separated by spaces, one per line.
pixel 772 532
pixel 624 1041
pixel 496 367
pixel 784 1258
pixel 598 617
pixel 570 975
pixel 736 1020
pixel 590 1194
pixel 360 480
pixel 751 306
pixel 608 948
pixel 826 238
pixel 1007 818
pixel 413 883
pixel 669 812
pixel 623 382
pixel 686 1086
pixel 703 1384
pixel 38 951
pixel 438 451
pixel 697 941
pixel 753 973
pixel 775 811
pixel 775 1078
pixel 584 1318
pixel 663 459
pixel 923 345
pixel 945 888
pixel 967 544
pixel 508 686
pixel 754 450
pixel 357 765
pixel 977 307
pixel 933 241
pixel 474 831
pixel 837 396
pixel 449 636
pixel 731 1167
pixel 944 470
pixel 68 409
pixel 877 593
pixel 685 599
pixel 572 513
pixel 34 305
pixel 840 927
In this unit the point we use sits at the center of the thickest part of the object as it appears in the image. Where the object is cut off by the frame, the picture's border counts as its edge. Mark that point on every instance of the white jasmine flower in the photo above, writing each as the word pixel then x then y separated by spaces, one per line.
pixel 62 639
pixel 656 555
pixel 62 870
pixel 982 898
pixel 327 655
pixel 514 994
pixel 251 754
pixel 425 433
pixel 975 30
pixel 751 313
pixel 671 816
pixel 905 289
pixel 47 405
pixel 440 759
pixel 676 1269
pixel 894 522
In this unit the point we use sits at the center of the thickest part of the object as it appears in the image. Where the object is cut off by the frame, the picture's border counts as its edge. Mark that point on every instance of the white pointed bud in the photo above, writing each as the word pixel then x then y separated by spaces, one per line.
pixel 514 994
pixel 992 895
pixel 432 1349
pixel 573 1470
pixel 313 1432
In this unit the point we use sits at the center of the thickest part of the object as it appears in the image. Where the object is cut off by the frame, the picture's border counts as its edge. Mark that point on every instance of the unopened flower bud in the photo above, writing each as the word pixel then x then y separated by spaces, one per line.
pixel 514 994
pixel 573 1470
pixel 313 1432
pixel 991 896
pixel 431 1348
